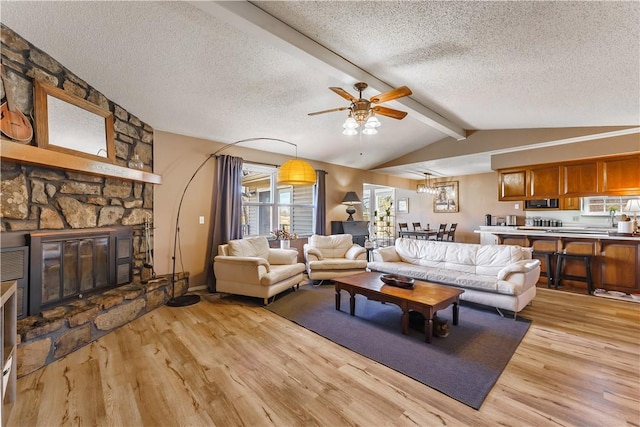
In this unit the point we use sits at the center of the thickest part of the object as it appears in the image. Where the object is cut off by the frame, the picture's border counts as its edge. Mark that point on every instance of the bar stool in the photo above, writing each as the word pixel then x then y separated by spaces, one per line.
pixel 586 258
pixel 548 273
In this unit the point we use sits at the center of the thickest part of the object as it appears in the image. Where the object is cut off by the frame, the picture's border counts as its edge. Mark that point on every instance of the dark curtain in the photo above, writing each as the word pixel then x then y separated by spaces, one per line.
pixel 226 211
pixel 321 203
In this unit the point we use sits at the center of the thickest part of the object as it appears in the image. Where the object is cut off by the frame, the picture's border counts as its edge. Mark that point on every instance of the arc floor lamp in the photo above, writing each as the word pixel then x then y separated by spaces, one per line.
pixel 292 172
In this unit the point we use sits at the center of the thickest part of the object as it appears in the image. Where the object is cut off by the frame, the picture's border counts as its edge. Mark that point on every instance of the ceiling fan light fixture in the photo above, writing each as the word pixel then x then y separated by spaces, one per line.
pixel 362 111
pixel 350 123
pixel 372 122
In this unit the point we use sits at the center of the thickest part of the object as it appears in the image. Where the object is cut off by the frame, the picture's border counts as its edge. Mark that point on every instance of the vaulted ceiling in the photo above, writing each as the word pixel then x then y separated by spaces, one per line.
pixel 226 71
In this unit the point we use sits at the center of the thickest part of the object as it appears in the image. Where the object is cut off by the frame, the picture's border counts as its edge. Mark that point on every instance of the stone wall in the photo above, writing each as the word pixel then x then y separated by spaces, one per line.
pixel 39 198
pixel 55 333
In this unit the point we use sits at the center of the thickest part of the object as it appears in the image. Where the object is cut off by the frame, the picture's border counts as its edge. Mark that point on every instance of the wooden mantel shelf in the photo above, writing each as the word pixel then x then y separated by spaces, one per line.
pixel 12 151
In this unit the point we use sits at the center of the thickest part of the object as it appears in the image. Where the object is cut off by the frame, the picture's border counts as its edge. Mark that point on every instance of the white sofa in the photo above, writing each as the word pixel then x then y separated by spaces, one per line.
pixel 501 276
pixel 249 267
pixel 328 257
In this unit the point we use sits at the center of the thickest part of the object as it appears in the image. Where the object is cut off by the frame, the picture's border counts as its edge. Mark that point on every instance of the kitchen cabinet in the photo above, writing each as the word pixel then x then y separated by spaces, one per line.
pixel 512 184
pixel 544 182
pixel 580 179
pixel 570 204
pixel 620 175
pixel 531 182
pixel 606 176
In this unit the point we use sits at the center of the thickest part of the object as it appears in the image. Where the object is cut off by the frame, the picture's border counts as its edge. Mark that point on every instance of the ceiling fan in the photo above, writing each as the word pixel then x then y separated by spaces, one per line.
pixel 361 111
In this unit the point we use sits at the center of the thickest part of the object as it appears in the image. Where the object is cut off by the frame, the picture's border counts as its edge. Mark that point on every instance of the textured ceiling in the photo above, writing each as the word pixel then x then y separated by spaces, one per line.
pixel 227 71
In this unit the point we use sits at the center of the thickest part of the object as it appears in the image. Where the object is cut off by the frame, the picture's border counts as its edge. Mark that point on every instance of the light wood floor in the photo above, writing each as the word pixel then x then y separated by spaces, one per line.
pixel 228 362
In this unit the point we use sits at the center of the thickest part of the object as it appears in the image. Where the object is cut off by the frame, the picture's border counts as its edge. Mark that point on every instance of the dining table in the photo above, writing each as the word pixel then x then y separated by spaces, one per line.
pixel 418 234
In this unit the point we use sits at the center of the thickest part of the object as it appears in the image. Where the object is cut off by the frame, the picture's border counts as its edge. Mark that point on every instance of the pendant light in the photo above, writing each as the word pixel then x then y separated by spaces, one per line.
pixel 426 187
pixel 296 172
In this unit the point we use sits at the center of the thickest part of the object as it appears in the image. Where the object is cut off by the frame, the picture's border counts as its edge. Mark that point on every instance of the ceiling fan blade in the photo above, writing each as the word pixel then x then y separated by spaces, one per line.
pixel 328 111
pixel 343 93
pixel 392 94
pixel 389 112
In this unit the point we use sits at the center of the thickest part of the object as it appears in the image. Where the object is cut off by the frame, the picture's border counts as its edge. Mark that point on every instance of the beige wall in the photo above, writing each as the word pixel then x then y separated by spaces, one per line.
pixel 478 195
pixel 176 158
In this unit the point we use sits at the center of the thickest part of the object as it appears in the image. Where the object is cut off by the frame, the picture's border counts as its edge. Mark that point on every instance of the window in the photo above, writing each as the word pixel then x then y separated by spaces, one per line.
pixel 291 209
pixel 603 205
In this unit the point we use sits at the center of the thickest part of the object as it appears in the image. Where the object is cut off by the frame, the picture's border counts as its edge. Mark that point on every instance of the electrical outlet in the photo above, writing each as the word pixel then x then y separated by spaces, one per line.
pixel 201 220
pixel 516 206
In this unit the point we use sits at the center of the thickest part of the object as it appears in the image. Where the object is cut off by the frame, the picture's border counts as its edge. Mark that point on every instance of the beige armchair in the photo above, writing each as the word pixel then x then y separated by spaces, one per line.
pixel 328 257
pixel 249 267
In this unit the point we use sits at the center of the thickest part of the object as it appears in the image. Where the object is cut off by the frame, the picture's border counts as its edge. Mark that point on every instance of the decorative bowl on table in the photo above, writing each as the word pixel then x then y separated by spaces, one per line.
pixel 397 280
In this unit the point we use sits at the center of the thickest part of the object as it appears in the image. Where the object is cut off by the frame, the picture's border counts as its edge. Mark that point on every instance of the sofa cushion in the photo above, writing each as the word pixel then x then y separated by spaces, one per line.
pixel 465 257
pixel 335 246
pixel 253 246
pixel 449 277
pixel 460 257
pixel 387 254
pixel 279 273
pixel 338 264
pixel 493 258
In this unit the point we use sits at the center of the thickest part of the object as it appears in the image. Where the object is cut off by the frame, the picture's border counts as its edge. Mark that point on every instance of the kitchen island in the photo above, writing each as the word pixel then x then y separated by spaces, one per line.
pixel 615 262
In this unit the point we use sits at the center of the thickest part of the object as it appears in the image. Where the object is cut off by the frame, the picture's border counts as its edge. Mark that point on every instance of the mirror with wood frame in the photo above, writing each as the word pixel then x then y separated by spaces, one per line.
pixel 70 124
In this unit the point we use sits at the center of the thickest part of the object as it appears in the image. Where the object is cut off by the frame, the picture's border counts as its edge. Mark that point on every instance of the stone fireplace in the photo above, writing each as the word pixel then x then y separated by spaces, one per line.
pixel 77 232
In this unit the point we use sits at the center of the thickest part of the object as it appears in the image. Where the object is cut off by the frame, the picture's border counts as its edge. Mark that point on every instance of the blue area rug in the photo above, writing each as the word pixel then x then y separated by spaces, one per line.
pixel 465 365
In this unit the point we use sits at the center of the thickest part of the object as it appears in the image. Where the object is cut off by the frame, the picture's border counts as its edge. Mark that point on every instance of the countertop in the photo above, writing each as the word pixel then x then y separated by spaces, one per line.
pixel 566 232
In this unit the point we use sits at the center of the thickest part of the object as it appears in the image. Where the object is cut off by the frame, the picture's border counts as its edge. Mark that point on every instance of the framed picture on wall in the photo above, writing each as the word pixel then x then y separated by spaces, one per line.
pixel 446 199
pixel 403 206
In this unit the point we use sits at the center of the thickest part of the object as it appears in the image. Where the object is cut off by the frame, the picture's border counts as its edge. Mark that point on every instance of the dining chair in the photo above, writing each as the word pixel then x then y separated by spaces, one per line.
pixel 403 226
pixel 452 232
pixel 442 230
pixel 418 227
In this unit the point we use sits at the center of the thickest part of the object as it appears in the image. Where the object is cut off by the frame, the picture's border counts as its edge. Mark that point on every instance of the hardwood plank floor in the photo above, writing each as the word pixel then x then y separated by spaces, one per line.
pixel 228 362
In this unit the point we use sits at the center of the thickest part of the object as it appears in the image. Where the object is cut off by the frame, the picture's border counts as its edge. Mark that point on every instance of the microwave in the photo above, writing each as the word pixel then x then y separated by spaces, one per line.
pixel 541 204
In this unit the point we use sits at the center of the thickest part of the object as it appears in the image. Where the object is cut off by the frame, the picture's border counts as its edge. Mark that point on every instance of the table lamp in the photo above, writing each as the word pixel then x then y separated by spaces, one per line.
pixel 351 198
pixel 633 206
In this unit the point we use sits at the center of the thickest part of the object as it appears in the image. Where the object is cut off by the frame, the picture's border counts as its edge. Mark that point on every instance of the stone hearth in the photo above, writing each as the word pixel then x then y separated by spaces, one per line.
pixel 55 333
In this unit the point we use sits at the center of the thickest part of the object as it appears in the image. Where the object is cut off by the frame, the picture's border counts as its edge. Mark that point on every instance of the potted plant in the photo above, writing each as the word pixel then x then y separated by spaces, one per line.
pixel 284 236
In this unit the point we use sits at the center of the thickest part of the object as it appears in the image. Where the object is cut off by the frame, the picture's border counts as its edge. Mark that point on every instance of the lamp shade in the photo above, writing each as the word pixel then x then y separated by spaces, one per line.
pixel 351 198
pixel 632 205
pixel 296 172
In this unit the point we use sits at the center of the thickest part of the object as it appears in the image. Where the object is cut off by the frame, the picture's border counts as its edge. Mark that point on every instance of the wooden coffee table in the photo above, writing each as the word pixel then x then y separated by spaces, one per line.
pixel 426 298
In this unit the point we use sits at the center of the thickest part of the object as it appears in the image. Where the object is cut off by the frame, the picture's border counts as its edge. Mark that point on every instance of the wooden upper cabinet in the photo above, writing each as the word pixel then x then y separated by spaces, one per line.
pixel 570 203
pixel 620 175
pixel 580 179
pixel 544 182
pixel 512 184
pixel 607 176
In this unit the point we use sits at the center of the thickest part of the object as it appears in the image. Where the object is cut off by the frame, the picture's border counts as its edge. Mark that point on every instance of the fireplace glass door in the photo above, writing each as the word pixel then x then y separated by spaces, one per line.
pixel 70 264
pixel 72 267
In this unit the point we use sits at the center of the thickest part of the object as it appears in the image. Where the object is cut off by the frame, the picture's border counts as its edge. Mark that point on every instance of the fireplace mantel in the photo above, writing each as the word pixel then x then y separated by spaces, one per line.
pixel 12 151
